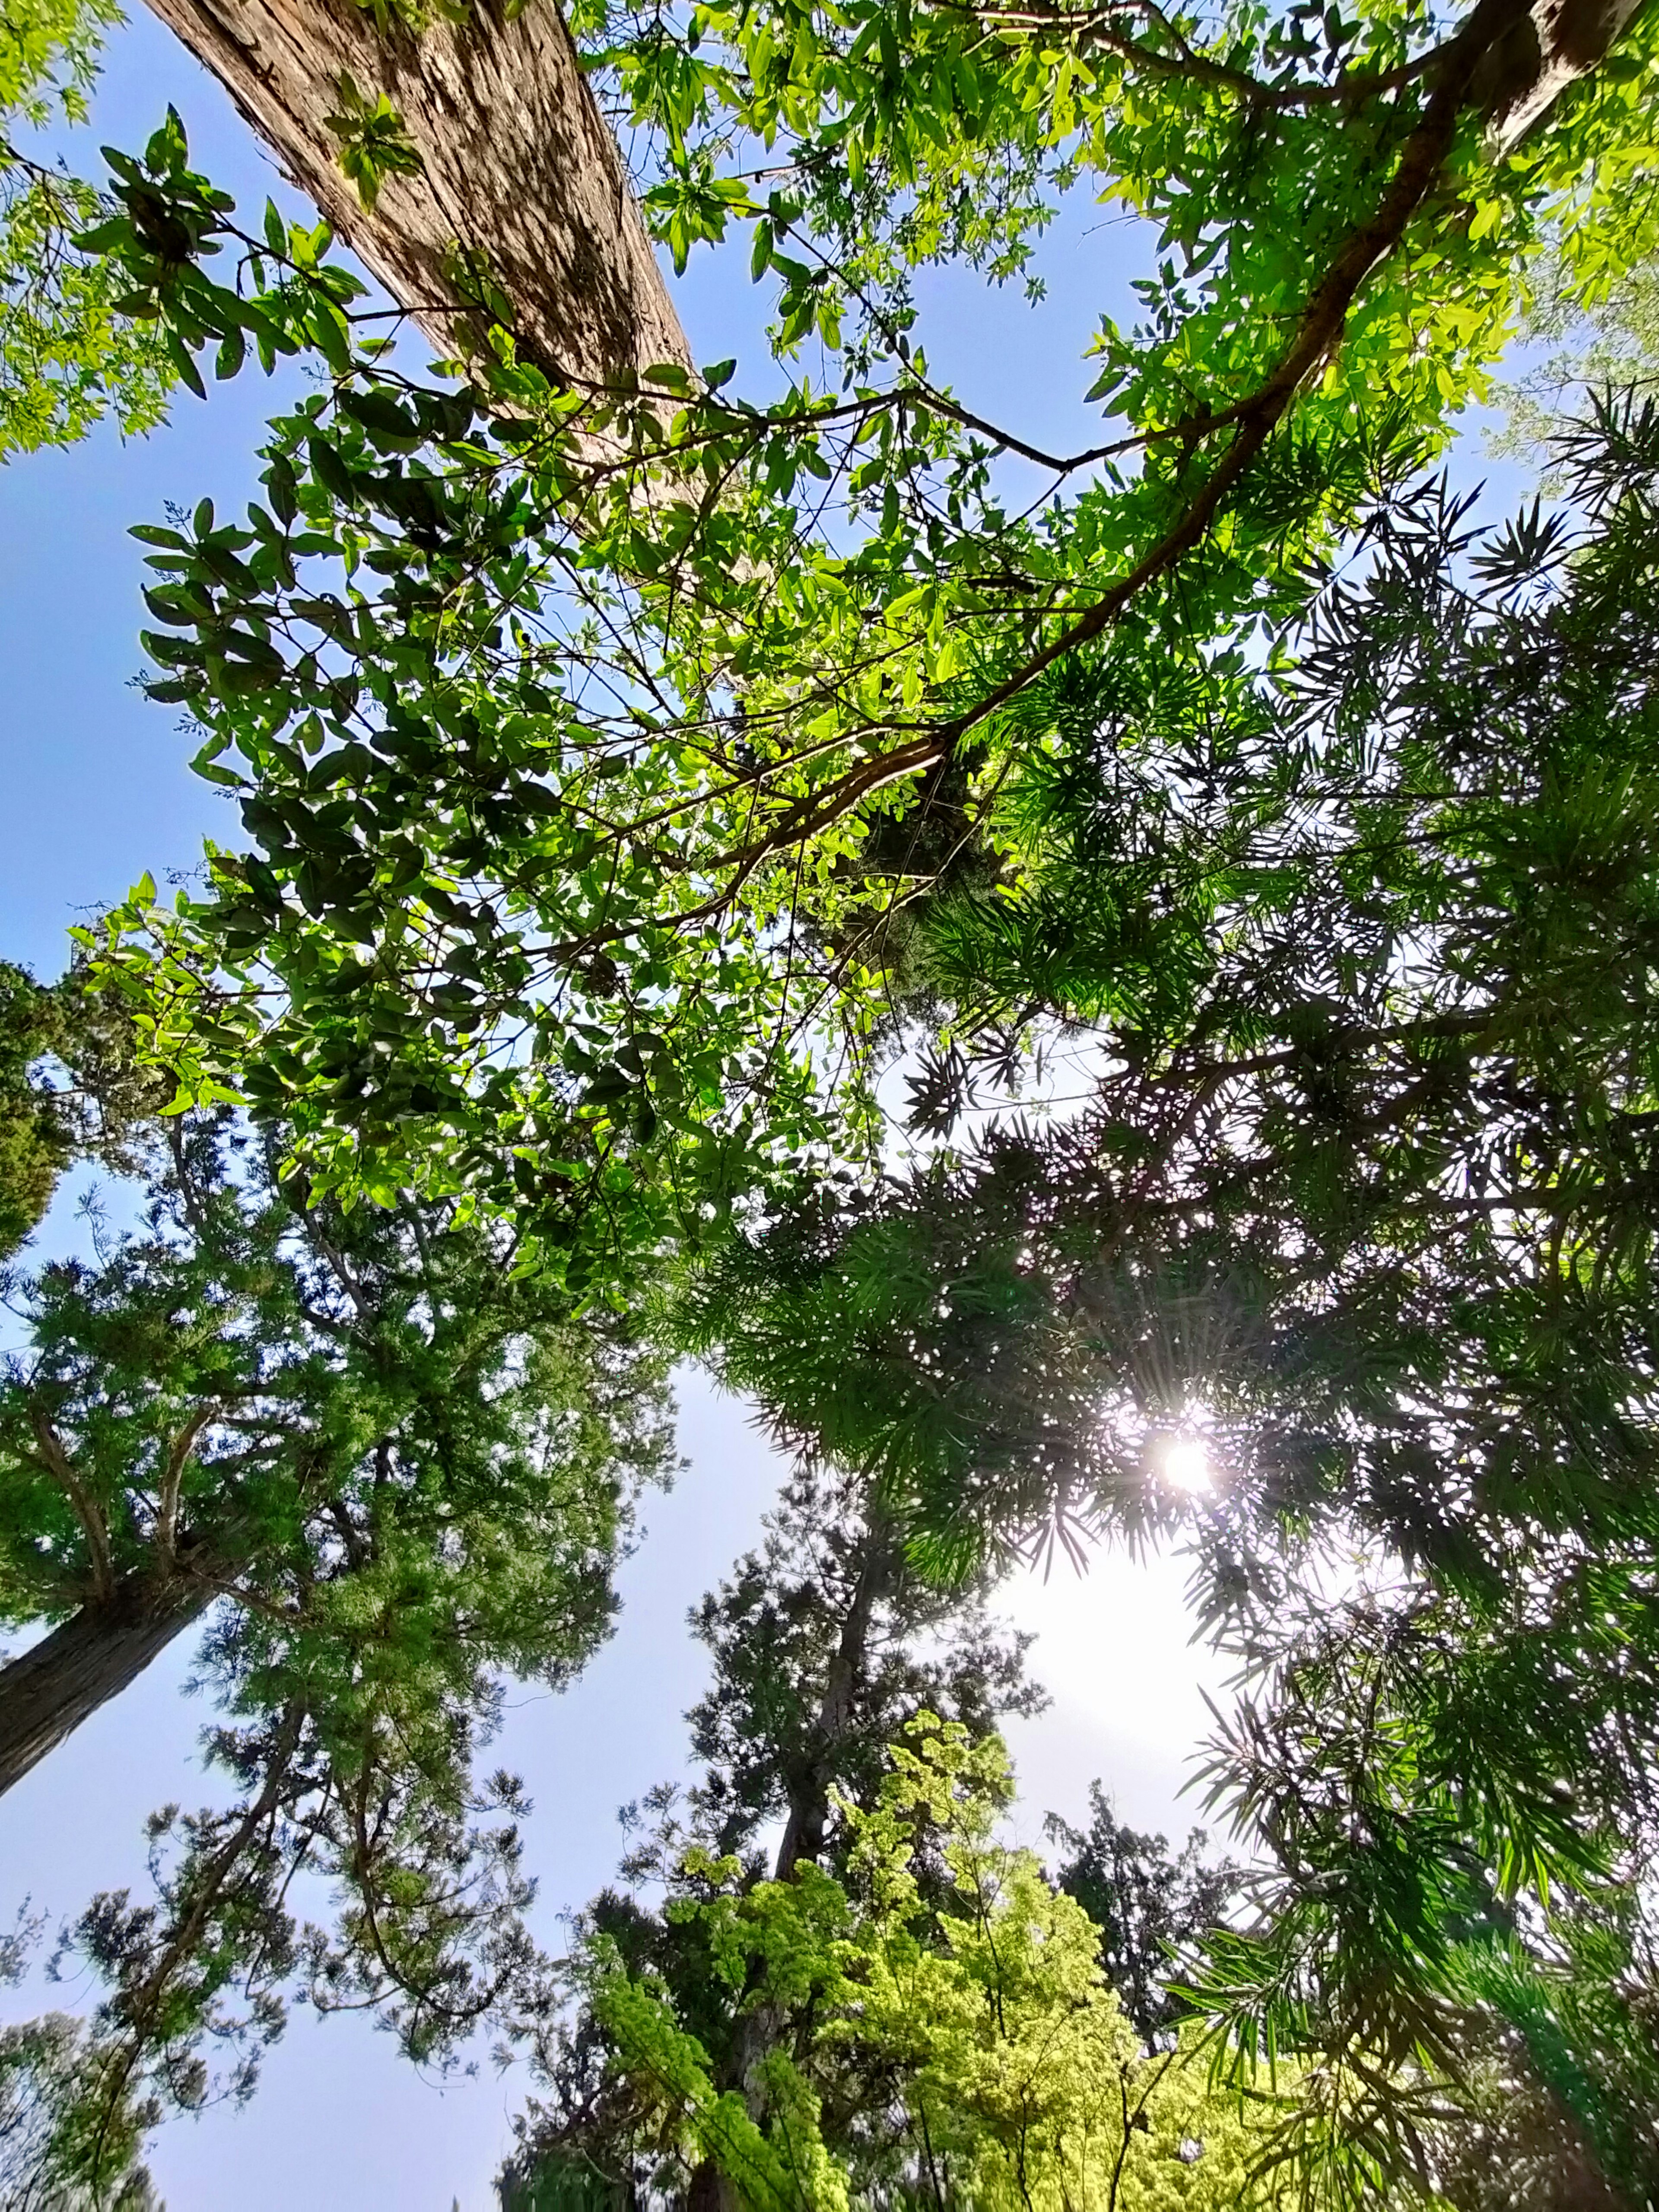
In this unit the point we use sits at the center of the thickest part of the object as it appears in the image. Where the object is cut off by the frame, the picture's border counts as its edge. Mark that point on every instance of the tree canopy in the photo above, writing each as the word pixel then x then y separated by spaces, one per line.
pixel 386 1472
pixel 634 766
pixel 566 726
pixel 927 2023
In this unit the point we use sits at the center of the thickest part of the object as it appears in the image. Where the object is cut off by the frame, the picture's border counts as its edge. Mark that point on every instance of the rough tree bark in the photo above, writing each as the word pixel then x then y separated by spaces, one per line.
pixel 83 1662
pixel 1556 43
pixel 516 164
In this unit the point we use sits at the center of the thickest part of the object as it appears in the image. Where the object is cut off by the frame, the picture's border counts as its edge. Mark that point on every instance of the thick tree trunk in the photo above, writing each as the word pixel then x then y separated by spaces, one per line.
pixel 517 165
pixel 1555 44
pixel 82 1663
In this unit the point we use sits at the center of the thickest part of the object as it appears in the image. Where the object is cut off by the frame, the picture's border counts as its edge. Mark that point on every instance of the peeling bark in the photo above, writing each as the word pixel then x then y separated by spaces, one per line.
pixel 517 167
pixel 83 1662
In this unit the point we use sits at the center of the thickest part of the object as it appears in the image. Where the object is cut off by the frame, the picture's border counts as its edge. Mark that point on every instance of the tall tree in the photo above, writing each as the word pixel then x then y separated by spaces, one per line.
pixel 72 1086
pixel 824 1642
pixel 360 1431
pixel 940 2034
pixel 386 1473
pixel 1154 1912
pixel 1350 1251
pixel 825 1645
pixel 624 823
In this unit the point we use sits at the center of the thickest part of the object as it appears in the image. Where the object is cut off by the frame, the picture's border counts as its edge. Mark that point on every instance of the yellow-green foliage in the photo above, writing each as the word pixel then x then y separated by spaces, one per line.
pixel 946 2005
pixel 34 1137
pixel 68 356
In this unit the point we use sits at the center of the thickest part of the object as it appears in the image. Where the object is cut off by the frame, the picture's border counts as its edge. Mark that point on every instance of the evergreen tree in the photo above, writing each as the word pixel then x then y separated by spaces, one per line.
pixel 824 1642
pixel 386 1472
pixel 1347 1260
pixel 362 1429
pixel 72 1086
pixel 939 2032
pixel 825 1645
pixel 1154 1912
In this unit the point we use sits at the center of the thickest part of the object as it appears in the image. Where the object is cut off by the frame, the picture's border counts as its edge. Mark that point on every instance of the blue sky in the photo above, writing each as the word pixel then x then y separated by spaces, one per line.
pixel 96 790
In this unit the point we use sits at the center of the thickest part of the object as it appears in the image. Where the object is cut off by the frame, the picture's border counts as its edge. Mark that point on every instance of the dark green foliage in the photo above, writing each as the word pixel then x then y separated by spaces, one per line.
pixel 825 1645
pixel 829 1613
pixel 1363 1208
pixel 1154 1912
pixel 396 1471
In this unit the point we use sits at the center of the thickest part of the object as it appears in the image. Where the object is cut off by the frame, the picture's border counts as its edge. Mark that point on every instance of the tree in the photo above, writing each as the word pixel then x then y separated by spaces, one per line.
pixel 1375 1154
pixel 1360 1220
pixel 942 2031
pixel 458 151
pixel 1154 1912
pixel 72 1087
pixel 43 2080
pixel 614 805
pixel 824 1644
pixel 34 1143
pixel 68 352
pixel 44 2077
pixel 388 1473
pixel 479 148
pixel 360 1429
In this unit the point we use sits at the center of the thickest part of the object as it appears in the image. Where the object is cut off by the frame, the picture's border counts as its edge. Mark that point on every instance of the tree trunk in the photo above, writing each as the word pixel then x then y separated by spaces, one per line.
pixel 85 1662
pixel 1555 44
pixel 517 167
pixel 809 1793
pixel 712 2189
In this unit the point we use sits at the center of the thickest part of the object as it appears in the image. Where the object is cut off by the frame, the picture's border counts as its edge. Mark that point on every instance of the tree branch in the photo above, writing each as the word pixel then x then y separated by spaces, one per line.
pixel 61 1468
pixel 179 1455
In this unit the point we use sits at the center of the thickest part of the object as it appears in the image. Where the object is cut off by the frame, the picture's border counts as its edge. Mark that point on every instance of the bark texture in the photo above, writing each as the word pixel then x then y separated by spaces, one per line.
pixel 517 165
pixel 85 1662
pixel 1555 44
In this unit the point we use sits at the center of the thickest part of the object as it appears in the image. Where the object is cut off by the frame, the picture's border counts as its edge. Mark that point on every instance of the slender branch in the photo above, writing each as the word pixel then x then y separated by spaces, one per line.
pixel 1099 27
pixel 138 2011
pixel 61 1468
pixel 179 1455
pixel 1255 418
pixel 1420 163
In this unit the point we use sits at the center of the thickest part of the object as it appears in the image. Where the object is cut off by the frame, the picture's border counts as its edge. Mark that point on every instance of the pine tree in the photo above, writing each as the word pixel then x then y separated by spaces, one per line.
pixel 359 1430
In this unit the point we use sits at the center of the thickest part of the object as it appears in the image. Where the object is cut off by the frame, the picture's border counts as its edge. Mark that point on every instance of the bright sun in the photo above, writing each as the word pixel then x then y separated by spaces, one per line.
pixel 1186 1464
